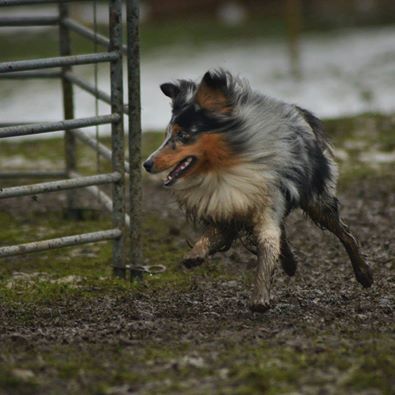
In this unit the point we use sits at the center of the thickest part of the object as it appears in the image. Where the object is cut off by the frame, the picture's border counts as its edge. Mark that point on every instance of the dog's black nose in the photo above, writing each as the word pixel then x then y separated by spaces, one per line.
pixel 148 164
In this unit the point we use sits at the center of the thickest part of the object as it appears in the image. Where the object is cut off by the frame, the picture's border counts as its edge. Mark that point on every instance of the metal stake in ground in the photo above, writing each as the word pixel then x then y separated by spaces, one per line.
pixel 117 137
pixel 135 191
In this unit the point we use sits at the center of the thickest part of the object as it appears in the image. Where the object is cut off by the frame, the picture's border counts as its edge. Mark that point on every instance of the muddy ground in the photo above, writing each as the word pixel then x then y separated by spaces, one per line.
pixel 67 327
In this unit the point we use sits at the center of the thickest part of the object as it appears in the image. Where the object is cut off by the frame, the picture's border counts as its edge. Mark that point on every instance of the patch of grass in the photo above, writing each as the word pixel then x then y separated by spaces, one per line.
pixel 194 32
pixel 350 172
pixel 276 370
pixel 151 141
pixel 52 225
pixel 90 262
pixel 10 384
pixel 189 31
pixel 373 129
pixel 357 136
pixel 263 367
pixel 51 149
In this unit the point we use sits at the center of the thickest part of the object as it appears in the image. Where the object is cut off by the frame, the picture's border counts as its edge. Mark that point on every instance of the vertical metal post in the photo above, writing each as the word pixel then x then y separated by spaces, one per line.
pixel 68 103
pixel 293 17
pixel 117 137
pixel 135 190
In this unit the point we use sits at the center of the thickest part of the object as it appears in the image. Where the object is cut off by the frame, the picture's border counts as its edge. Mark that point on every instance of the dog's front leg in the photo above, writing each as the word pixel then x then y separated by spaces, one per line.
pixel 267 233
pixel 212 240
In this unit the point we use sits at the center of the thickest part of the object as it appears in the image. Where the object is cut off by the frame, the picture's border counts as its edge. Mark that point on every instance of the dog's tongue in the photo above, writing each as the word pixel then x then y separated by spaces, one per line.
pixel 174 174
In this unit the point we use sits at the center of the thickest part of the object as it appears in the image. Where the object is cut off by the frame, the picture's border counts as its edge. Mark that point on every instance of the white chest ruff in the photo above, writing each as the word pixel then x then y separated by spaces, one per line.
pixel 222 196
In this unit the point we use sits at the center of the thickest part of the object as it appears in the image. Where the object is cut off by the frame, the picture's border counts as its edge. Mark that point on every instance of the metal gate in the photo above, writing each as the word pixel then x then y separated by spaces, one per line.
pixel 126 226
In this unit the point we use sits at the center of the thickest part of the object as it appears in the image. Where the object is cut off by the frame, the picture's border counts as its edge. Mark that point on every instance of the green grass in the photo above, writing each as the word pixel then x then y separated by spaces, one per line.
pixel 193 32
pixel 371 128
pixel 190 32
pixel 237 369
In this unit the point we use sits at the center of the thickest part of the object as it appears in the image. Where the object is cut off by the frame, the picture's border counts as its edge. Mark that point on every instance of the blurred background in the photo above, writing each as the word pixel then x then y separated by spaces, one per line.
pixel 333 57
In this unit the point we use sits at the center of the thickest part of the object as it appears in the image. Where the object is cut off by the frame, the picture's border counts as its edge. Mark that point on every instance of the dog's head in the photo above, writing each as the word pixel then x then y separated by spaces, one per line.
pixel 195 141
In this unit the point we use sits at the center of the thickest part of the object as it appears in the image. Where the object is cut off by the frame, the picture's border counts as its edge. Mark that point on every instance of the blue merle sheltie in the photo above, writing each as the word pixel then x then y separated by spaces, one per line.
pixel 239 162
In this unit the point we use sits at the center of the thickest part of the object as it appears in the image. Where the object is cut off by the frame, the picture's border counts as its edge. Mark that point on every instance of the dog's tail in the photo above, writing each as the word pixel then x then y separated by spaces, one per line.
pixel 318 129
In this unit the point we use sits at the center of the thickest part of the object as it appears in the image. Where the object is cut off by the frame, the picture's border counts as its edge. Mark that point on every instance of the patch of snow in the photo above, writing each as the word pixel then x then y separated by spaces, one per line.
pixel 343 73
pixel 341 154
pixel 377 157
pixel 232 13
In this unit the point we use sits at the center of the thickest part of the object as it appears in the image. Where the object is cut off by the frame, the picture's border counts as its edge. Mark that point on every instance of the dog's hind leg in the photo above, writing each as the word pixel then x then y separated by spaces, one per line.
pixel 212 241
pixel 287 258
pixel 325 213
pixel 268 234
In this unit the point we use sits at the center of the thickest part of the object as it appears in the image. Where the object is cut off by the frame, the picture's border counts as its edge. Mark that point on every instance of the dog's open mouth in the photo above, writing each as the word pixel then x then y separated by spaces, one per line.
pixel 181 168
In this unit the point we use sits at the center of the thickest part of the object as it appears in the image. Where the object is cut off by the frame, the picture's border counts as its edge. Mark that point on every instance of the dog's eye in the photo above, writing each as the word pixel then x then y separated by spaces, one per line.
pixel 183 136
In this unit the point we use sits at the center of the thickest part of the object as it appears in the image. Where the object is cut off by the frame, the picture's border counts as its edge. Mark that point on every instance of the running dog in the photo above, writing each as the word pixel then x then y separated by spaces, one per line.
pixel 239 162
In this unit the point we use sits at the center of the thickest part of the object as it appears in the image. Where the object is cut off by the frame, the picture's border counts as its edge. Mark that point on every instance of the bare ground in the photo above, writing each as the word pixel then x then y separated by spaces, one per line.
pixel 67 327
pixel 192 333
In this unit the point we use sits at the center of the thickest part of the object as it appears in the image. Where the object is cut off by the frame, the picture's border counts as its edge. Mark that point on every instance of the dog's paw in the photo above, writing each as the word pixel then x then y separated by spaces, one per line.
pixel 191 262
pixel 288 261
pixel 259 306
pixel 289 265
pixel 365 276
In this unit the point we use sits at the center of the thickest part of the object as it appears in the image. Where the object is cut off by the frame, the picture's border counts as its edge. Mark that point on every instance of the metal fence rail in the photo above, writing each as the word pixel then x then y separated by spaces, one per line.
pixel 22 75
pixel 34 2
pixel 38 128
pixel 60 242
pixel 126 225
pixel 12 175
pixel 72 60
pixel 28 20
pixel 55 186
pixel 100 148
pixel 87 87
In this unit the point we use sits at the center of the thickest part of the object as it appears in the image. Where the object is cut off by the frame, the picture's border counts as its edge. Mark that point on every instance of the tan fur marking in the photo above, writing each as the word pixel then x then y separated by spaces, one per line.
pixel 212 99
pixel 211 151
pixel 169 157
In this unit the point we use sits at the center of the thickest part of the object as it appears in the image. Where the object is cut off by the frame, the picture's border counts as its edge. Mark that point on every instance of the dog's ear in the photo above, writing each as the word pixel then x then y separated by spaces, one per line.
pixel 215 80
pixel 212 93
pixel 170 90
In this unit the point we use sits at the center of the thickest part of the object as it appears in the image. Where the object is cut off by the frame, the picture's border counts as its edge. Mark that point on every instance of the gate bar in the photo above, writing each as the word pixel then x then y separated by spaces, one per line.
pixel 135 190
pixel 33 2
pixel 37 128
pixel 70 145
pixel 28 20
pixel 102 196
pixel 60 242
pixel 20 65
pixel 31 174
pixel 105 200
pixel 88 33
pixel 55 186
pixel 87 87
pixel 22 75
pixel 84 31
pixel 8 124
pixel 117 137
pixel 91 142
